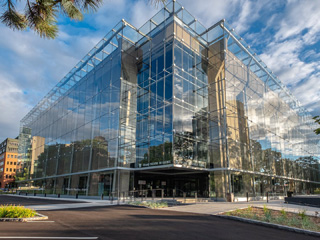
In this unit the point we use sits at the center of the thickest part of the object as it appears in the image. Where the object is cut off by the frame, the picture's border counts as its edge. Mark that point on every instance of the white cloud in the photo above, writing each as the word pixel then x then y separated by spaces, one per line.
pixel 309 93
pixel 283 59
pixel 141 12
pixel 12 107
pixel 300 15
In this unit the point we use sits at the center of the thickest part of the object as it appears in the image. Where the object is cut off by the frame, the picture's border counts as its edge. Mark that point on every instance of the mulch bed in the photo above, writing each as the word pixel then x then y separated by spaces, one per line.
pixel 297 220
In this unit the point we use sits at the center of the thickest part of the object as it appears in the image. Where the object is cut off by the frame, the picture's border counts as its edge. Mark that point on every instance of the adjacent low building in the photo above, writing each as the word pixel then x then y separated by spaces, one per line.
pixel 8 162
pixel 175 107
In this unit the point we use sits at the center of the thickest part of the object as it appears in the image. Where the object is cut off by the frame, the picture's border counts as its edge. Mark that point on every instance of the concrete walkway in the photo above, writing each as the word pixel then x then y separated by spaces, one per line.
pixel 214 208
pixel 69 206
pixel 74 203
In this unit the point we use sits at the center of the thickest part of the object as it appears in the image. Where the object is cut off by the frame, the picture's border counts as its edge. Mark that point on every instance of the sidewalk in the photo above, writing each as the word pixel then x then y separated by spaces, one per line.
pixel 214 208
pixel 74 202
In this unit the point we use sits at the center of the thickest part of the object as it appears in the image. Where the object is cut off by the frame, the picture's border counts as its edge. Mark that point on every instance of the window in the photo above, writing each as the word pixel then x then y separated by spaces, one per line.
pixel 14 170
pixel 11 156
pixel 7 169
pixel 10 163
pixel 9 176
pixel 15 156
pixel 8 156
pixel 6 176
pixel 15 163
pixel 10 169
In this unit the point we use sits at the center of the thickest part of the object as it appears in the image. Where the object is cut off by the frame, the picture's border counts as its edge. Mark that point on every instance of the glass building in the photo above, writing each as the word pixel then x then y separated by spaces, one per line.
pixel 172 105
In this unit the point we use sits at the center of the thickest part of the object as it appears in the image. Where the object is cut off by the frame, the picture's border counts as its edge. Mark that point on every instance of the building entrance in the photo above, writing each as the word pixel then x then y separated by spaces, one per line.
pixel 173 182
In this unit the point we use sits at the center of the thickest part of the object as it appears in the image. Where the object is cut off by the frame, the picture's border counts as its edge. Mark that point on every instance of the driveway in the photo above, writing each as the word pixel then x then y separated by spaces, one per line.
pixel 127 222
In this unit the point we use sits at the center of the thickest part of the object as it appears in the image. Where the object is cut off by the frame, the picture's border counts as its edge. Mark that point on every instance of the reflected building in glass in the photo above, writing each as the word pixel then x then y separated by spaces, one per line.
pixel 173 106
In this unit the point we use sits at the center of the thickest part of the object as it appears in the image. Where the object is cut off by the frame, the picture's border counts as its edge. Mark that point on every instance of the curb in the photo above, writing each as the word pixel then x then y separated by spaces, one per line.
pixel 52 198
pixel 37 218
pixel 271 225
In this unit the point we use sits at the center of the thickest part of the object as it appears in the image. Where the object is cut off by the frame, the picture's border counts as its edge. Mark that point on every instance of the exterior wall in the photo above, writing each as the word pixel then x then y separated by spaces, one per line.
pixel 79 132
pixel 179 97
pixel 8 162
pixel 153 137
pixel 190 115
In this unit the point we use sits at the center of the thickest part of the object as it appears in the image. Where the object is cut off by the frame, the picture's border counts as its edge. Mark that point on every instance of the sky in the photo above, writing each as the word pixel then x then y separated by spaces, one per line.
pixel 284 33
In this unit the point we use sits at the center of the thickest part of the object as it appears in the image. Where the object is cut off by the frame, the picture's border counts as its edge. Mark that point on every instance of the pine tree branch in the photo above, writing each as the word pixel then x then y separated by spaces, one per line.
pixel 69 8
pixel 41 16
pixel 12 18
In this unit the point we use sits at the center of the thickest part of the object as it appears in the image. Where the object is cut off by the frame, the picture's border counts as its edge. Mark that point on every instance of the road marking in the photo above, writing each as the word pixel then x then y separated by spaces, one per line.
pixel 40 221
pixel 81 238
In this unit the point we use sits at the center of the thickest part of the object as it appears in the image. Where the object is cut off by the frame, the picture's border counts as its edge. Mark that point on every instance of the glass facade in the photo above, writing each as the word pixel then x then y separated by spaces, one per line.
pixel 174 106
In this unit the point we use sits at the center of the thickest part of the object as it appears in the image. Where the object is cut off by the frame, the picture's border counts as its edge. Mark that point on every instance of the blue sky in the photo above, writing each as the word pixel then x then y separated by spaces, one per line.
pixel 284 33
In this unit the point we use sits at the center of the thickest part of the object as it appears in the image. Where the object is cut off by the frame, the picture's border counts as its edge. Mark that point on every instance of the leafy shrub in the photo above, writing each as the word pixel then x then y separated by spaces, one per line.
pixel 238 211
pixel 294 222
pixel 265 209
pixel 11 211
pixel 302 214
pixel 283 213
pixel 267 213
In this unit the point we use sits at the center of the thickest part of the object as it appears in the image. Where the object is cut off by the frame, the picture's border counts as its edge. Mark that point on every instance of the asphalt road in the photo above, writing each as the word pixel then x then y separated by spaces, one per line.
pixel 127 222
pixel 24 201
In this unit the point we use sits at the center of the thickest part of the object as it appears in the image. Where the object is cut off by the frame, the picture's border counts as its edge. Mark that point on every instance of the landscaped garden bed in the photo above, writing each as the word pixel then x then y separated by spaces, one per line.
pixel 296 220
pixel 152 205
pixel 19 213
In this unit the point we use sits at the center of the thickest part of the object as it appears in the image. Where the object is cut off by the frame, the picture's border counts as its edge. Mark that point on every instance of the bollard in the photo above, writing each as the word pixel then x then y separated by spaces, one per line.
pixel 153 194
pixel 267 197
pixel 19 193
pixel 34 194
pixel 134 196
pixel 123 197
pixel 26 194
pixel 45 194
pixel 196 197
pixel 101 196
pixel 247 197
pixel 174 193
pixel 141 196
pixel 184 197
pixel 111 198
pixel 77 195
pixel 58 195
pixel 162 194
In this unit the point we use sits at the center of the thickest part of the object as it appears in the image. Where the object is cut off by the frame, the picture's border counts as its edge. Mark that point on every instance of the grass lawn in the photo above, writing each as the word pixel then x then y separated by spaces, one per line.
pixel 297 220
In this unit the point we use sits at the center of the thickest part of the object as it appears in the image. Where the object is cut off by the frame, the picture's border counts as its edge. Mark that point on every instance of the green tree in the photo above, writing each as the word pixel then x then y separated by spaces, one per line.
pixel 41 15
pixel 317 120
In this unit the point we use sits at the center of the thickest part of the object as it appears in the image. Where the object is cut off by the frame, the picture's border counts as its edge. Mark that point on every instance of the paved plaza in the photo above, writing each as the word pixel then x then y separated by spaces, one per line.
pixel 219 207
